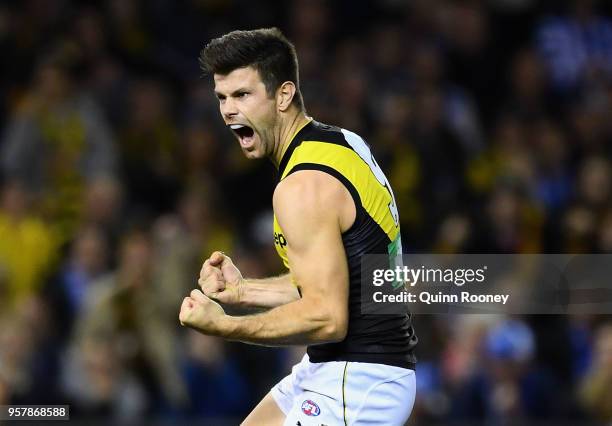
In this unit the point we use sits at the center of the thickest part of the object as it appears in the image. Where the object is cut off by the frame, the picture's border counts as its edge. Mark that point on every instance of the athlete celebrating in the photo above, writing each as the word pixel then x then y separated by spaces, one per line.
pixel 332 205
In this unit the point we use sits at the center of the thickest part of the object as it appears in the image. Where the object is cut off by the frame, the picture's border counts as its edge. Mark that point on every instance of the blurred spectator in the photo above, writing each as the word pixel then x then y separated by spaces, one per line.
pixel 528 88
pixel 507 159
pixel 443 159
pixel 28 247
pixel 149 147
pixel 4 396
pixel 106 78
pixel 470 51
pixel 58 140
pixel 16 341
pixel 577 47
pixel 29 361
pixel 127 313
pixel 508 388
pixel 201 155
pixel 590 126
pixel 578 230
pixel 99 386
pixel 512 223
pixel 553 185
pixel 594 182
pixel 605 233
pixel 184 240
pixel 454 234
pixel 88 261
pixel 398 155
pixel 104 206
pixel 459 108
pixel 595 388
pixel 217 388
pixel 348 87
pixel 129 26
pixel 5 301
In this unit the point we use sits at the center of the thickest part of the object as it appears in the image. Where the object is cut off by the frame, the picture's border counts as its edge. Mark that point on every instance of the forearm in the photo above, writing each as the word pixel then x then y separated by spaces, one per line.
pixel 268 292
pixel 300 322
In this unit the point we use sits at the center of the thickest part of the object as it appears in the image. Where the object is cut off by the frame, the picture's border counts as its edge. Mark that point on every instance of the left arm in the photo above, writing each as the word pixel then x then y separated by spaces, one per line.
pixel 307 206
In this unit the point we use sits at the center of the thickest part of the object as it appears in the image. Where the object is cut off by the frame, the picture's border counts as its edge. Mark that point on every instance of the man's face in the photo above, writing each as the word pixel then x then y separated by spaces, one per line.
pixel 247 110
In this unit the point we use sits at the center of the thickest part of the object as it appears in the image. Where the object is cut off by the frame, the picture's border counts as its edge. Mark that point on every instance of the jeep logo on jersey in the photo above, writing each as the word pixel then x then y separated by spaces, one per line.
pixel 280 239
pixel 310 408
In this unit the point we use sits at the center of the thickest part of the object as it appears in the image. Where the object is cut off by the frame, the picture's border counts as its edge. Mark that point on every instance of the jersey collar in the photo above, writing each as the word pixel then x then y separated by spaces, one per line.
pixel 296 140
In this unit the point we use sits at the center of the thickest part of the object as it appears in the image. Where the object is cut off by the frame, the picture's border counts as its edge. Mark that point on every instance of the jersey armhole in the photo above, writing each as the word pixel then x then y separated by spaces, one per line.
pixel 359 210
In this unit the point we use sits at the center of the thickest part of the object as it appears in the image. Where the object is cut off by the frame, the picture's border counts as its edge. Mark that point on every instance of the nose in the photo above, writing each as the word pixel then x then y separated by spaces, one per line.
pixel 228 109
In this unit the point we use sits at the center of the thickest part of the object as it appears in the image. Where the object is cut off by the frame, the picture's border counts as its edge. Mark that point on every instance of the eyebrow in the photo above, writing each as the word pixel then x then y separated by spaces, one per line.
pixel 234 93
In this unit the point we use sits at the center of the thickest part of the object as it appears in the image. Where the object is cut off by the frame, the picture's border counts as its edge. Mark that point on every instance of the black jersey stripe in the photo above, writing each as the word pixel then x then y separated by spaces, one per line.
pixel 297 140
pixel 335 173
pixel 359 209
pixel 313 132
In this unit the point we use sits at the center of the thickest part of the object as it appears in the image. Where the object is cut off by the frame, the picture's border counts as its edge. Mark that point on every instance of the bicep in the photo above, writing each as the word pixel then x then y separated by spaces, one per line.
pixel 320 269
pixel 315 250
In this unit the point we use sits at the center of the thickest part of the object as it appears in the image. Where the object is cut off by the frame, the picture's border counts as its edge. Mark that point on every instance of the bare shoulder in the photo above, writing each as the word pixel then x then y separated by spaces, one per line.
pixel 313 196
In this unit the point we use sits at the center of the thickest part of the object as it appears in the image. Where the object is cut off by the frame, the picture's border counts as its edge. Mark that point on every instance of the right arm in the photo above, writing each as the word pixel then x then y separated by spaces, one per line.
pixel 221 280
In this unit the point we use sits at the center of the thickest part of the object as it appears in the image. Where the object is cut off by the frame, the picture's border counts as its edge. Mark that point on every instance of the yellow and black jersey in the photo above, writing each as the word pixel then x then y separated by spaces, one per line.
pixel 388 339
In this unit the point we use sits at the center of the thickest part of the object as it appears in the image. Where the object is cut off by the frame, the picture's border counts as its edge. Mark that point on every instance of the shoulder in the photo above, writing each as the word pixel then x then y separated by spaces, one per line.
pixel 333 138
pixel 307 190
pixel 311 199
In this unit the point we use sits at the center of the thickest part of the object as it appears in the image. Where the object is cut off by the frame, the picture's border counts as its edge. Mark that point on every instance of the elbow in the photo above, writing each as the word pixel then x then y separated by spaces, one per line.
pixel 335 330
pixel 328 322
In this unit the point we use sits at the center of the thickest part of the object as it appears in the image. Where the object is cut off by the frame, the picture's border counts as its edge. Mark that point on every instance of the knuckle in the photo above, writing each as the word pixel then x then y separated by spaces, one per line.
pixel 210 282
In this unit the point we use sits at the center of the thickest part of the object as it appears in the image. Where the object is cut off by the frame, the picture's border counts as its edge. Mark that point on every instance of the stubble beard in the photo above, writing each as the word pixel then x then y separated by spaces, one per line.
pixel 267 138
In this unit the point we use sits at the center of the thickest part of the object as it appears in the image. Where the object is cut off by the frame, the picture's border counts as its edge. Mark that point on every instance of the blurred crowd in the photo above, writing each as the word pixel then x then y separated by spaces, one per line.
pixel 490 118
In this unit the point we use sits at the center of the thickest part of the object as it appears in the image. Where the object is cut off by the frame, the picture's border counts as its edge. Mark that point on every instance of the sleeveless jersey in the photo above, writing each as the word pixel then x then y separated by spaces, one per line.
pixel 383 339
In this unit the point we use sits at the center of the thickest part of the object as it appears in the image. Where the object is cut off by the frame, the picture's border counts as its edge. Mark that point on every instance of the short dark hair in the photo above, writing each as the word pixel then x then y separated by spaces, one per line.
pixel 267 50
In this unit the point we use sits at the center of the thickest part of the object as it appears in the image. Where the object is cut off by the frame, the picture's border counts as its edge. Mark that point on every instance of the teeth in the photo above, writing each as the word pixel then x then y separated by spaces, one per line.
pixel 236 126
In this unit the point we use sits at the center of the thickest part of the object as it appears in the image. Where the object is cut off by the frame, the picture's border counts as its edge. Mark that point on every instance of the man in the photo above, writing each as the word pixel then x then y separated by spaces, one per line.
pixel 332 205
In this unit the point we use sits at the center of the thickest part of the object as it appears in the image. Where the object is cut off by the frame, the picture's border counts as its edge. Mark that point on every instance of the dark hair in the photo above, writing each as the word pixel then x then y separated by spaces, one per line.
pixel 266 49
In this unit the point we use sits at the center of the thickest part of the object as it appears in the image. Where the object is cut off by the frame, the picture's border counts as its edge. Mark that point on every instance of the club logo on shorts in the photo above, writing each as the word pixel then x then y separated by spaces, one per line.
pixel 310 408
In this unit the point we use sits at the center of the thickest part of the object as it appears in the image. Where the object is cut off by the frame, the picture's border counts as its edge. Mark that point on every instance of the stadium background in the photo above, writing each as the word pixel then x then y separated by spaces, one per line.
pixel 491 119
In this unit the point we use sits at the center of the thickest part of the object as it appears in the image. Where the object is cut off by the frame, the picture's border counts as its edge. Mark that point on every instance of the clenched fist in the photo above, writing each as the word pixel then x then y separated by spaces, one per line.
pixel 200 312
pixel 221 280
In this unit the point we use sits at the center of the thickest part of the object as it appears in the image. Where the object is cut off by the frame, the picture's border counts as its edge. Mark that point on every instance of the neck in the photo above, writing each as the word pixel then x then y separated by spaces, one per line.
pixel 289 126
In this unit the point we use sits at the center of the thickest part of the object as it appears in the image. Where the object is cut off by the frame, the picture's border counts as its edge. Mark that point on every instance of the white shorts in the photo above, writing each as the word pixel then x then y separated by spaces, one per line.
pixel 346 393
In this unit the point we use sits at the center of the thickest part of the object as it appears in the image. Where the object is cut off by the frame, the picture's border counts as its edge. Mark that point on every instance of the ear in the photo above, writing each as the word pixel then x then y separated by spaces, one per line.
pixel 284 95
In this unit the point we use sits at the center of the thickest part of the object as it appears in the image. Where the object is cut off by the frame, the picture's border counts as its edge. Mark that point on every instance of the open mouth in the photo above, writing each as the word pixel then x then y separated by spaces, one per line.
pixel 245 134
